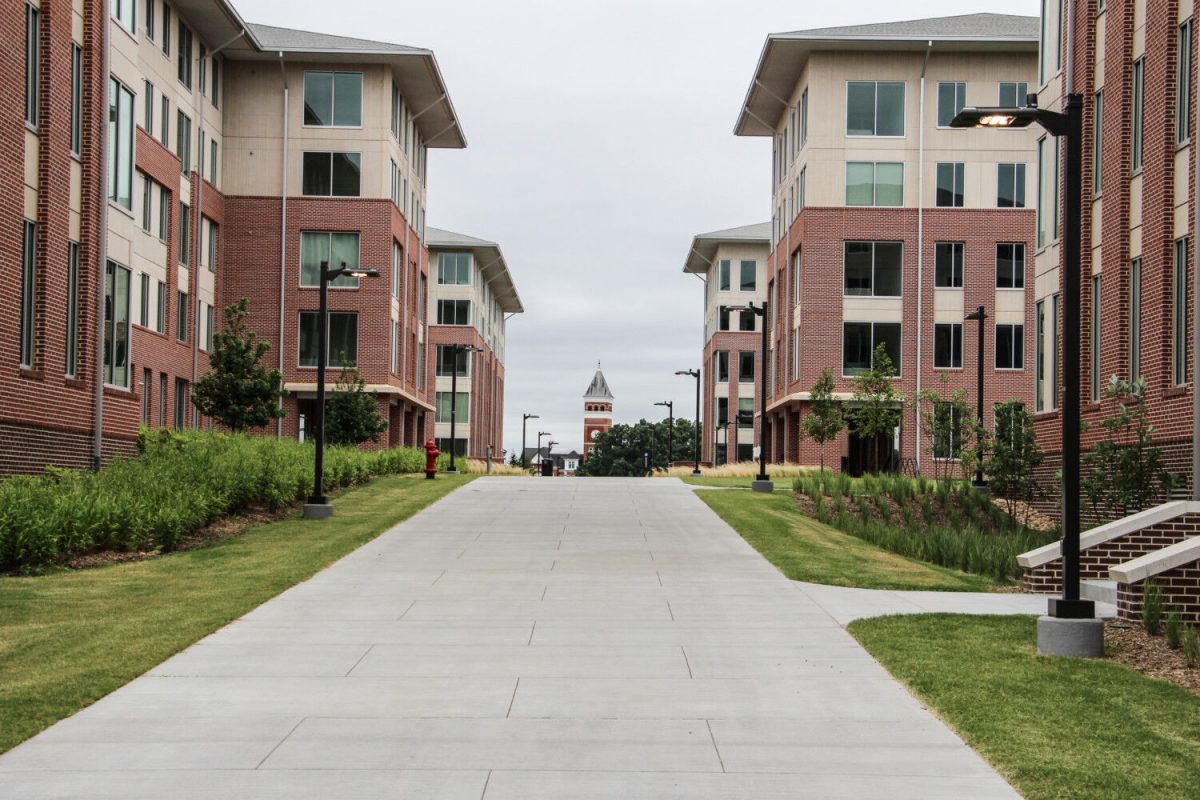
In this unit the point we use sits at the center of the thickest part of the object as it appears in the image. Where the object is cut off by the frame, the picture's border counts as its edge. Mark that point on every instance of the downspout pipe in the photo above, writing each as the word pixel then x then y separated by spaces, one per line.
pixel 102 243
pixel 283 209
pixel 704 339
pixel 920 253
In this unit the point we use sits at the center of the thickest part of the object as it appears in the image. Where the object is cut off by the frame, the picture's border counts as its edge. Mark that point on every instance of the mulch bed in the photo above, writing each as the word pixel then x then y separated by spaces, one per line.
pixel 1129 644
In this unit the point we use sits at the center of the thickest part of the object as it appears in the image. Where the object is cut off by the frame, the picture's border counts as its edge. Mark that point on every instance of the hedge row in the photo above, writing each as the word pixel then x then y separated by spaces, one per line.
pixel 178 484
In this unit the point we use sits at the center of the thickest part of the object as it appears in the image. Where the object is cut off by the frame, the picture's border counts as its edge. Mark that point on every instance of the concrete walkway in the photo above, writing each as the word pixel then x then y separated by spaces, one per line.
pixel 521 639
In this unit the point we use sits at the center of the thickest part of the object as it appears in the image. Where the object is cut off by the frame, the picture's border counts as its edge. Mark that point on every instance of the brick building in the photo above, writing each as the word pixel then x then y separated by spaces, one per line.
pixel 472 296
pixel 889 227
pixel 168 159
pixel 597 411
pixel 733 264
pixel 1134 65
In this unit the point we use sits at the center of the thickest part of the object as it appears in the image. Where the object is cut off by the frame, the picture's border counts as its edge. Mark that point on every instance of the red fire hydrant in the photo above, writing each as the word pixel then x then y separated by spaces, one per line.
pixel 431 454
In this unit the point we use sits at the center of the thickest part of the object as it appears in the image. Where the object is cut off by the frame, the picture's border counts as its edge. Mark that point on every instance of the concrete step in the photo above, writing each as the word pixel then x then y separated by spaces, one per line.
pixel 1099 591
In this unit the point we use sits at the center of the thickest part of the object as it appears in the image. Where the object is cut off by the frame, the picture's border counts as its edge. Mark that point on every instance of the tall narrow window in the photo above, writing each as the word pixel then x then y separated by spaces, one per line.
pixel 397 268
pixel 804 117
pixel 216 83
pixel 76 99
pixel 951 177
pixel 210 259
pixel 185 234
pixel 28 293
pixel 1135 318
pixel 181 316
pixel 209 323
pixel 150 23
pixel 212 162
pixel 1054 315
pixel 184 56
pixel 124 14
pixel 1010 265
pixel 1047 209
pixel 166 35
pixel 72 364
pixel 181 393
pixel 749 276
pixel 144 301
pixel 162 377
pixel 947 345
pixel 948 265
pixel 1010 182
pixel 1179 314
pixel 1039 392
pixel 723 275
pixel 1098 145
pixel 116 325
pixel 1095 343
pixel 1010 347
pixel 948 438
pixel 32 64
pixel 183 141
pixel 147 382
pixel 1139 99
pixel 160 310
pixel 1183 90
pixel 952 97
pixel 202 61
pixel 147 191
pixel 148 107
pixel 120 145
pixel 164 213
pixel 164 128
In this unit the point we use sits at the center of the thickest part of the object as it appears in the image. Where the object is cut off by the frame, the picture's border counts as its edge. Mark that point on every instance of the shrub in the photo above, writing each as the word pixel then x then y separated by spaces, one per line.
pixel 179 483
pixel 1174 629
pixel 1152 607
pixel 1191 647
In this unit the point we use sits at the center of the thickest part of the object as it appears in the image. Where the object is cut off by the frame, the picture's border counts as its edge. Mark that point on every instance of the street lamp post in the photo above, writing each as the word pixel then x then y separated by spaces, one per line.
pixel 670 404
pixel 763 482
pixel 1071 627
pixel 978 315
pixel 695 373
pixel 457 350
pixel 318 506
pixel 550 449
pixel 539 448
pixel 525 419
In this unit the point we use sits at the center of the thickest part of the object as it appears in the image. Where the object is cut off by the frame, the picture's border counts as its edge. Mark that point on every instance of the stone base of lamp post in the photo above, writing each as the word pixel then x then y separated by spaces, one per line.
pixel 318 511
pixel 763 486
pixel 1076 638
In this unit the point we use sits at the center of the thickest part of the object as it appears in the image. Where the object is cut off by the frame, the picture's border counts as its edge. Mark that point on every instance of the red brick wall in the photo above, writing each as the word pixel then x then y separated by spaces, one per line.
pixel 485 425
pixel 1180 589
pixel 734 342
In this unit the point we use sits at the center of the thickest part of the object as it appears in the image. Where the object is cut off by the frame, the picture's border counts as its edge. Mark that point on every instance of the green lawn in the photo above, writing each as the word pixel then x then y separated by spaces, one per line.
pixel 68 639
pixel 807 550
pixel 1057 728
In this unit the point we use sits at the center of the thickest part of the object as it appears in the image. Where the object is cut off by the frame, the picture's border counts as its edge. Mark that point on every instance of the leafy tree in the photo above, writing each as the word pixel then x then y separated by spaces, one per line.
pixel 825 418
pixel 620 451
pixel 1014 458
pixel 952 432
pixel 1124 472
pixel 877 405
pixel 351 414
pixel 239 391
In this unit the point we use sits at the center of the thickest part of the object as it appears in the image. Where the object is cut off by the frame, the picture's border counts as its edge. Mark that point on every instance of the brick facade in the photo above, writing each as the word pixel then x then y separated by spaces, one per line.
pixel 1180 589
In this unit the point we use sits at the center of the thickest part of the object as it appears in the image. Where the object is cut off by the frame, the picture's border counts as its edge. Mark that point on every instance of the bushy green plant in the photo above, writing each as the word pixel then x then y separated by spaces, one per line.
pixel 1174 629
pixel 239 391
pixel 1191 647
pixel 825 419
pixel 877 406
pixel 1152 607
pixel 351 413
pixel 179 483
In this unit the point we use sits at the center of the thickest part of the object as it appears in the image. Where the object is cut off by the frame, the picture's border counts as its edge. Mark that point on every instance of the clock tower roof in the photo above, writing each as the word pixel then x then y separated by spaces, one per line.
pixel 598 390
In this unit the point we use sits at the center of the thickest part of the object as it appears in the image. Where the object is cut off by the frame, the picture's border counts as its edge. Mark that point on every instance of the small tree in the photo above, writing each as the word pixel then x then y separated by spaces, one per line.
pixel 239 391
pixel 825 419
pixel 1014 458
pixel 351 414
pixel 952 430
pixel 877 404
pixel 1124 472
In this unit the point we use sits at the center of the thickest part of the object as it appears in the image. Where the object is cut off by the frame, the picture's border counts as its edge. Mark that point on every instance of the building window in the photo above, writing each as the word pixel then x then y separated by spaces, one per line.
pixel 1098 145
pixel 1139 101
pixel 746 367
pixel 1010 265
pixel 181 404
pixel 804 117
pixel 72 364
pixel 124 14
pixel 332 249
pixel 948 265
pixel 333 99
pixel 184 57
pixel 76 99
pixel 749 276
pixel 147 191
pixel 147 382
pixel 1135 318
pixel 150 24
pixel 1039 400
pixel 947 345
pixel 454 269
pixel 164 127
pixel 341 347
pixel 950 180
pixel 144 301
pixel 216 83
pixel 1179 322
pixel 1054 352
pixel 210 260
pixel 185 234
pixel 166 48
pixel 721 365
pixel 1047 210
pixel 952 97
pixel 181 316
pixel 162 387
pixel 948 438
pixel 164 213
pixel 32 64
pixel 722 411
pixel 723 271
pixel 28 292
pixel 209 323
pixel 1010 182
pixel 446 362
pixel 1183 89
pixel 160 313
pixel 397 268
pixel 202 61
pixel 875 108
pixel 859 340
pixel 1095 355
pixel 1010 347
pixel 212 161
pixel 1013 94
pixel 873 269
pixel 462 406
pixel 116 325
pixel 454 312
pixel 120 145
pixel 332 174
pixel 874 184
pixel 745 417
pixel 183 140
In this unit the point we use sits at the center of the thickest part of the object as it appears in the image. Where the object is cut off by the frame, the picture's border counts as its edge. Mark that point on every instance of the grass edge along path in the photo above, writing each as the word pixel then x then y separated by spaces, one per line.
pixel 1056 728
pixel 68 639
pixel 805 549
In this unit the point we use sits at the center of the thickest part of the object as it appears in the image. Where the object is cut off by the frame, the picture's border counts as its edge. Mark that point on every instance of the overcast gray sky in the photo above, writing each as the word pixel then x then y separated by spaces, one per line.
pixel 600 141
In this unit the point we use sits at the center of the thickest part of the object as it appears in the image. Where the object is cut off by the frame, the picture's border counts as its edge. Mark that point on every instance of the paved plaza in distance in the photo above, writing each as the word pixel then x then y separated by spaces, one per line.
pixel 520 639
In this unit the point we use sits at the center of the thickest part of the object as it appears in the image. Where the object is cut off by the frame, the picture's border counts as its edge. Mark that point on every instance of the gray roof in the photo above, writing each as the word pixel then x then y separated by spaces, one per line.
pixel 785 54
pixel 598 390
pixel 274 38
pixel 704 245
pixel 490 260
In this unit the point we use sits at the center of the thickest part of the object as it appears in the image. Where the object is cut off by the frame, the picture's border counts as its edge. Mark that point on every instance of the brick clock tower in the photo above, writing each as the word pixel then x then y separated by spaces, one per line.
pixel 597 412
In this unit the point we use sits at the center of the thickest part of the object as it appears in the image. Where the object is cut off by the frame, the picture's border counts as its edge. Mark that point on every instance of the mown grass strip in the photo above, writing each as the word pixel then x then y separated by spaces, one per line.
pixel 68 639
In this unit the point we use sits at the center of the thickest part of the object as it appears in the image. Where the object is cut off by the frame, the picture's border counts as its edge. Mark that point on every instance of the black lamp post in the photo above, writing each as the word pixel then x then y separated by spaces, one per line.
pixel 458 350
pixel 763 482
pixel 695 373
pixel 979 315
pixel 550 449
pixel 670 404
pixel 539 449
pixel 524 420
pixel 1068 126
pixel 318 506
